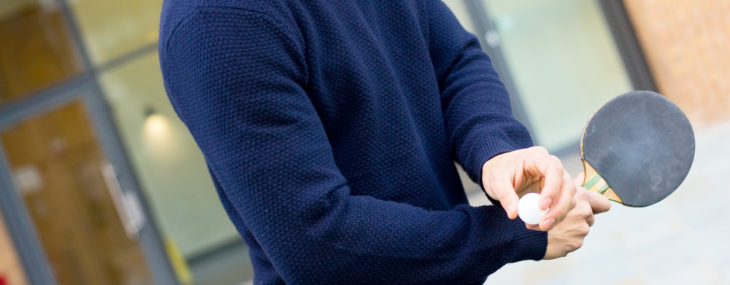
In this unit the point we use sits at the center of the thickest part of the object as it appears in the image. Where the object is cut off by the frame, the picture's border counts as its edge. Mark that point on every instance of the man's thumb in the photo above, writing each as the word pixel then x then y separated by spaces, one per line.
pixel 598 203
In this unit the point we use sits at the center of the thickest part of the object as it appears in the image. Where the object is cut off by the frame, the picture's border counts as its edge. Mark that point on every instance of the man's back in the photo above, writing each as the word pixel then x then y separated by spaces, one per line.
pixel 330 128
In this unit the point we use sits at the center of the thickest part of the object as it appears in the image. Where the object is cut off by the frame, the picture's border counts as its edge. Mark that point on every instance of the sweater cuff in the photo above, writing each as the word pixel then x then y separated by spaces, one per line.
pixel 523 243
pixel 528 244
pixel 485 149
pixel 517 242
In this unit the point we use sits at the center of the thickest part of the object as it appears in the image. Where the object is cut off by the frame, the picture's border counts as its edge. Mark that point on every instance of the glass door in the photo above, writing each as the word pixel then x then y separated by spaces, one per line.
pixel 560 57
pixel 90 229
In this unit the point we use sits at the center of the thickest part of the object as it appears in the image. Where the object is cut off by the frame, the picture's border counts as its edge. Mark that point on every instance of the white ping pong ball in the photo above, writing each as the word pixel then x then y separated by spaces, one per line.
pixel 529 209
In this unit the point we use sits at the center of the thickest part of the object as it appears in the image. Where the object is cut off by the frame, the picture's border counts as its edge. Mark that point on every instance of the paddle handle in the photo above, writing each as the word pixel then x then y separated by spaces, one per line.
pixel 594 182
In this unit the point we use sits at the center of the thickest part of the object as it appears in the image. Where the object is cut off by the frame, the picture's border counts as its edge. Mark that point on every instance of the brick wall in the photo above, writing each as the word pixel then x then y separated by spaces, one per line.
pixel 687 45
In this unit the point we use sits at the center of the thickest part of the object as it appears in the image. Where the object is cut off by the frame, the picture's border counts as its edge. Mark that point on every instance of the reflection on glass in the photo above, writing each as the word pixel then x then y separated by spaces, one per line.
pixel 57 166
pixel 111 28
pixel 563 61
pixel 36 48
pixel 11 271
pixel 167 160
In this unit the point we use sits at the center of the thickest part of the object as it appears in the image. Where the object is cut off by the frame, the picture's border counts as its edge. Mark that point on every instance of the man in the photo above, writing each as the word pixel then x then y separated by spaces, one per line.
pixel 330 129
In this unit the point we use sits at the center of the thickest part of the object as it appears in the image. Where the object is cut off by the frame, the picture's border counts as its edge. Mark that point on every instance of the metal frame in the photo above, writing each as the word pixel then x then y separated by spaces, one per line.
pixel 84 87
pixel 21 230
pixel 617 18
pixel 485 31
pixel 109 139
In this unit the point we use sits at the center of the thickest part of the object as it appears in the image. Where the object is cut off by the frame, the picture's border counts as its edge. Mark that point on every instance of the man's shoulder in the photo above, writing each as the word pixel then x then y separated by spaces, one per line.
pixel 262 6
pixel 175 12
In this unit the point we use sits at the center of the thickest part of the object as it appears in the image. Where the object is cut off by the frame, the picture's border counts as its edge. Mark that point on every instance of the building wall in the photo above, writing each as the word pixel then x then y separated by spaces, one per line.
pixel 686 45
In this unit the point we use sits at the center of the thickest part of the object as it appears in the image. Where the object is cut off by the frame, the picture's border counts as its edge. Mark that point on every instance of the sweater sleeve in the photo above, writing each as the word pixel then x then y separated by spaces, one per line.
pixel 475 103
pixel 236 79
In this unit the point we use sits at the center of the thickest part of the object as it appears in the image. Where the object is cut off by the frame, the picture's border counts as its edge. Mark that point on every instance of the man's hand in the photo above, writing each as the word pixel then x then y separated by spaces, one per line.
pixel 508 176
pixel 568 235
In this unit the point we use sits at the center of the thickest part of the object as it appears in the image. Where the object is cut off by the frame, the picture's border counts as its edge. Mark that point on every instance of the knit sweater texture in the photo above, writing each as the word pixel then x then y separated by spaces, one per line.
pixel 331 128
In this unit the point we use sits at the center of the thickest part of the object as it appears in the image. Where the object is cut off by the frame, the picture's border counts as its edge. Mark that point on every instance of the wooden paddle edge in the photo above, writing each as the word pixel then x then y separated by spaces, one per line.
pixel 600 186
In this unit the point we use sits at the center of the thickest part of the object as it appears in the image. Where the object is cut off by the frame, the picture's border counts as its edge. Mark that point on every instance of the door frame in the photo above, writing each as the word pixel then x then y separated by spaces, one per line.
pixel 491 43
pixel 627 43
pixel 21 229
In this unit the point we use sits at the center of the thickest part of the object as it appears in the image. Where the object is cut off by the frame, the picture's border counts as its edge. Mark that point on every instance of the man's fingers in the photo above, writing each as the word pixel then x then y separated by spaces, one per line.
pixel 528 169
pixel 506 195
pixel 551 169
pixel 598 203
pixel 563 205
pixel 586 209
pixel 578 180
pixel 557 191
pixel 532 227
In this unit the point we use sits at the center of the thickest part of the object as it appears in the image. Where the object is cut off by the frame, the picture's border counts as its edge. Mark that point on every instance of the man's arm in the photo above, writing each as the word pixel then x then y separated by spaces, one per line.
pixel 475 103
pixel 235 78
pixel 485 138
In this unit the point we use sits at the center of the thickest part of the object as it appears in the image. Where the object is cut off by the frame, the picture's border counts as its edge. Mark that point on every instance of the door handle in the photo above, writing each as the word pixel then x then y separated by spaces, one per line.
pixel 126 203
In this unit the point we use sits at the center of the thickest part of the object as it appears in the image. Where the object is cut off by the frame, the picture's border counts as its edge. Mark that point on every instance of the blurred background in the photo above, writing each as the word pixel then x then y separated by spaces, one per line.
pixel 100 183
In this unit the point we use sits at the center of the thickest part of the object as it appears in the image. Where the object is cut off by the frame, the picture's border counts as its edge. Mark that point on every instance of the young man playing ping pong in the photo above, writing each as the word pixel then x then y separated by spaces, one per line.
pixel 330 129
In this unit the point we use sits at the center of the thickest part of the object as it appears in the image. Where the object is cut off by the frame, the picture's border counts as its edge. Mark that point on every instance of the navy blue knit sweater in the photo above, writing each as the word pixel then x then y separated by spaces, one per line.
pixel 331 128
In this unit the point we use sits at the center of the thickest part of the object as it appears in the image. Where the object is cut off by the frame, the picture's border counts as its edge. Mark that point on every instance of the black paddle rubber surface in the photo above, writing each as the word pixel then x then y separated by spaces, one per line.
pixel 641 144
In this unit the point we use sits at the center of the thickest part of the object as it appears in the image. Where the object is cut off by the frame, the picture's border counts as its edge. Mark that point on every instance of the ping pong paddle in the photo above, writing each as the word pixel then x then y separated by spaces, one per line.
pixel 637 149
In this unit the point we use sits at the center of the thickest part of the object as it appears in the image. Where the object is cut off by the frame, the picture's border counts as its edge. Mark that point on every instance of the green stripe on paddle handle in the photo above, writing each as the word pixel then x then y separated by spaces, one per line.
pixel 596 183
pixel 593 180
